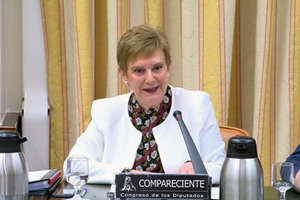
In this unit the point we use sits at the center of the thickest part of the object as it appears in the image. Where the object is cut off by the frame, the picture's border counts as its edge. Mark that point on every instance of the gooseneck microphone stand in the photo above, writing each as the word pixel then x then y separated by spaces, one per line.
pixel 193 152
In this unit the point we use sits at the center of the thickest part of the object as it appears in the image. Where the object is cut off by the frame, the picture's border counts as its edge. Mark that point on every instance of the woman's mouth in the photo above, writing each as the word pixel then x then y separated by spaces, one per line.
pixel 151 90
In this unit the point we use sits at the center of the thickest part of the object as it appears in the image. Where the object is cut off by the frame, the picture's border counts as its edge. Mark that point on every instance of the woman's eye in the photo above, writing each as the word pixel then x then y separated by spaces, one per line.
pixel 158 67
pixel 138 71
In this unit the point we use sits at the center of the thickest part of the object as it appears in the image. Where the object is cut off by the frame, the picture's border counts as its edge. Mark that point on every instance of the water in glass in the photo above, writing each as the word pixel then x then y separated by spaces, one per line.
pixel 282 177
pixel 77 173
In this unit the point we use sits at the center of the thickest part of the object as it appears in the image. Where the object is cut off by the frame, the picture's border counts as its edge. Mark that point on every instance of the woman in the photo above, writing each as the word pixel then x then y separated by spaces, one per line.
pixel 136 132
pixel 295 158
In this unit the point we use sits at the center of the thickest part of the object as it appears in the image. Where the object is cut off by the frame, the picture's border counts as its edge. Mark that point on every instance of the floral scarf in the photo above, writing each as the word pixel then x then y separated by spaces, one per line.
pixel 147 157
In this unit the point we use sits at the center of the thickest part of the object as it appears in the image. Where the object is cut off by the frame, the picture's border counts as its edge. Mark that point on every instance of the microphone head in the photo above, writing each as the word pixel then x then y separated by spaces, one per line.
pixel 177 114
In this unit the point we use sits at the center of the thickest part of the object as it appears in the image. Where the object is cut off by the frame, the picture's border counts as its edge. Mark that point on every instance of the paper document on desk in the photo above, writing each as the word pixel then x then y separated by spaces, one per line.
pixel 48 174
pixel 215 193
pixel 43 179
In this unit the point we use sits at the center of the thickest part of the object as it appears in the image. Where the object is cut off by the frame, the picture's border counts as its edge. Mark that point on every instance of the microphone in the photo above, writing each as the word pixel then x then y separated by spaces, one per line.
pixel 193 152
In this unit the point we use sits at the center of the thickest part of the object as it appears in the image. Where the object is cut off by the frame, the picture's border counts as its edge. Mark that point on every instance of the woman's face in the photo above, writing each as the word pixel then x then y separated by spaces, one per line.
pixel 147 77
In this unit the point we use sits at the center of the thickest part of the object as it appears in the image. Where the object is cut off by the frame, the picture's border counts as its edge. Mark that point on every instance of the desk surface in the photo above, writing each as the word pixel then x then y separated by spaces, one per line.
pixel 100 191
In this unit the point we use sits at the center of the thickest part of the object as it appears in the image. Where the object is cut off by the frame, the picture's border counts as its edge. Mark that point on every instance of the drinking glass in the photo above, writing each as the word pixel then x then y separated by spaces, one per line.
pixel 77 173
pixel 282 177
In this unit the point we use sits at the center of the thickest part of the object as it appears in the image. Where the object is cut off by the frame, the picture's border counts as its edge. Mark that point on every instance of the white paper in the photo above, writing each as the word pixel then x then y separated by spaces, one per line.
pixel 215 193
pixel 37 175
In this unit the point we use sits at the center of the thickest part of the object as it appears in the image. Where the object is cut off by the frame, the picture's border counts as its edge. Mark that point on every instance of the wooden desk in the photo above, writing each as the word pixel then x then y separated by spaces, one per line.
pixel 98 192
pixel 271 193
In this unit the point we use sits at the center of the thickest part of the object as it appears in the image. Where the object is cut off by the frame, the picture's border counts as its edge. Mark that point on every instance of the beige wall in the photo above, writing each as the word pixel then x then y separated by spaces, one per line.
pixel 11 56
pixel 1 79
pixel 23 75
pixel 35 105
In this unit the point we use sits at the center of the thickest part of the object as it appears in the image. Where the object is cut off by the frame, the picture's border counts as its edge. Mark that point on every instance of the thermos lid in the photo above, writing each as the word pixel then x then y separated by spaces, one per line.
pixel 10 141
pixel 242 147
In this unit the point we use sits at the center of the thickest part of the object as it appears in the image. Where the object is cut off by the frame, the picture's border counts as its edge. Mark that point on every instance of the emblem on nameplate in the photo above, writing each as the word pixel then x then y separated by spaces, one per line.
pixel 128 186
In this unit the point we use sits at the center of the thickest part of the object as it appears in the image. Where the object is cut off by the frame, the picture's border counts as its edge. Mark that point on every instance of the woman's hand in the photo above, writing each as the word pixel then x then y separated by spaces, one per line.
pixel 187 168
pixel 139 172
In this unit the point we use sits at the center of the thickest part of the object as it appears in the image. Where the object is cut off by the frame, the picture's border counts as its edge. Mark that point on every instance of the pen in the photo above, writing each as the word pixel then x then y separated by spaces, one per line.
pixel 83 192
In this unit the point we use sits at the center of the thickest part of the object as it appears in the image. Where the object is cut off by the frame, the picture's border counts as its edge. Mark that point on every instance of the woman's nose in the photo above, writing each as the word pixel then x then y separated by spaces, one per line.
pixel 149 77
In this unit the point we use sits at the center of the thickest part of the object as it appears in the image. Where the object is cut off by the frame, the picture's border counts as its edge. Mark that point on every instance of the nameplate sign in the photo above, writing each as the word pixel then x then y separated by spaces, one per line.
pixel 170 186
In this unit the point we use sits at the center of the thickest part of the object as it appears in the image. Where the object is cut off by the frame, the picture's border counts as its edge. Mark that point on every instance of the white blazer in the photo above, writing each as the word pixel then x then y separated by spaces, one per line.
pixel 111 140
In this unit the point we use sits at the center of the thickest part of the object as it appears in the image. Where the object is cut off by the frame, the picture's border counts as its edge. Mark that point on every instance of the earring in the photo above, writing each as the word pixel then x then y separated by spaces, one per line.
pixel 126 82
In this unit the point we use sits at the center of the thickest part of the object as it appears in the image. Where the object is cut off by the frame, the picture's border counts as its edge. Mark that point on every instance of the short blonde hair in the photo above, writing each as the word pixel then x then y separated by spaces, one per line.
pixel 141 40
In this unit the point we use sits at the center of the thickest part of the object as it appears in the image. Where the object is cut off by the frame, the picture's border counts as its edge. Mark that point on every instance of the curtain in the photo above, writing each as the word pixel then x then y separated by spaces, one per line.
pixel 245 54
pixel 68 32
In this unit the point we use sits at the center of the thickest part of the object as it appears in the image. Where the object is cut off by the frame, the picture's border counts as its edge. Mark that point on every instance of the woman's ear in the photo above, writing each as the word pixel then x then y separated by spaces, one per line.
pixel 123 75
pixel 169 68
